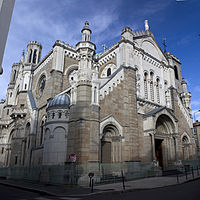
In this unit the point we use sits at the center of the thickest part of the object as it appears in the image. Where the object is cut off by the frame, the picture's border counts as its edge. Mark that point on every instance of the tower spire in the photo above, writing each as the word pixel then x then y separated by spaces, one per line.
pixel 86 32
pixel 23 56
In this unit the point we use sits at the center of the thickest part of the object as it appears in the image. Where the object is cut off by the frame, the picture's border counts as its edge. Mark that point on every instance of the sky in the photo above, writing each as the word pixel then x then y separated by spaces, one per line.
pixel 46 21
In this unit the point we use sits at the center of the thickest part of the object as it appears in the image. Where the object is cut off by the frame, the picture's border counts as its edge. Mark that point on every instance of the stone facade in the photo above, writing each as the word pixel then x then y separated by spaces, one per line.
pixel 127 104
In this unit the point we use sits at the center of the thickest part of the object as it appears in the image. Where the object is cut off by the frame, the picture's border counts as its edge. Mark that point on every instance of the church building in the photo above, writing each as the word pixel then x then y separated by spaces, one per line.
pixel 128 104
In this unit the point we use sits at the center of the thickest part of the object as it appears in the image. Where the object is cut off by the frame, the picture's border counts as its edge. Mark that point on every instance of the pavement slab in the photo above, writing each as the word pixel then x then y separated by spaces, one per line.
pixel 67 192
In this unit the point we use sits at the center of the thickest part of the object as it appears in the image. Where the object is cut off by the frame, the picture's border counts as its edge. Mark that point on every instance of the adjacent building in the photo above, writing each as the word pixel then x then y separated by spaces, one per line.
pixel 6 9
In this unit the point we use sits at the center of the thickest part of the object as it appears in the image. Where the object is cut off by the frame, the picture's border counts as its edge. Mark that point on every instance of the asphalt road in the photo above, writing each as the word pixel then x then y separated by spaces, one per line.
pixel 10 193
pixel 186 191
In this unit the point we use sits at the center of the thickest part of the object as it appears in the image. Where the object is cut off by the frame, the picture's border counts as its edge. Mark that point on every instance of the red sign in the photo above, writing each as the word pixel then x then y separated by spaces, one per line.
pixel 72 157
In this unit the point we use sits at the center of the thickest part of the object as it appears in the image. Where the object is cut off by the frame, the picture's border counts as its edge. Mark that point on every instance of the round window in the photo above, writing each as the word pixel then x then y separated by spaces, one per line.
pixel 41 85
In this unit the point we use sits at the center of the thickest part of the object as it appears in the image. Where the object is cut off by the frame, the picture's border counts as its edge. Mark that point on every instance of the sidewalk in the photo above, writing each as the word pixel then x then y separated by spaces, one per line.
pixel 64 190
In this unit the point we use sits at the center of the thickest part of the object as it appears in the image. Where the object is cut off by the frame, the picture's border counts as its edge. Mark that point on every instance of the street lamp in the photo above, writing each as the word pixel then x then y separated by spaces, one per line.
pixel 194 115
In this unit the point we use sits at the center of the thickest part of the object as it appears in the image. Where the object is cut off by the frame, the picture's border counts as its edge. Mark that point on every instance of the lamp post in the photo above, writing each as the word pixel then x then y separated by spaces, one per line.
pixel 194 115
pixel 195 131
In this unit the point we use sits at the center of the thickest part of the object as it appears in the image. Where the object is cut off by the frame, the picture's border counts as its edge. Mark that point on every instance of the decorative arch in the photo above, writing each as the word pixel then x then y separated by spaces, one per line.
pixel 150 48
pixel 186 146
pixel 41 82
pixel 111 145
pixel 184 136
pixel 112 121
pixel 59 130
pixel 47 134
pixel 152 85
pixel 152 71
pixel 55 143
pixel 146 84
pixel 108 70
pixel 70 69
pixel 165 123
pixel 158 89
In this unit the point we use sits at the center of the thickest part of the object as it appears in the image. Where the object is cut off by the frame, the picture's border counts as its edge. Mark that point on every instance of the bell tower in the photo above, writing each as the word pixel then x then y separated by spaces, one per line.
pixel 185 95
pixel 84 114
pixel 33 53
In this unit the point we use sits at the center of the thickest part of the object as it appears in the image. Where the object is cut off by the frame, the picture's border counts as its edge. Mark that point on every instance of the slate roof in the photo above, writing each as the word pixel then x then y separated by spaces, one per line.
pixel 32 100
pixel 153 112
pixel 62 100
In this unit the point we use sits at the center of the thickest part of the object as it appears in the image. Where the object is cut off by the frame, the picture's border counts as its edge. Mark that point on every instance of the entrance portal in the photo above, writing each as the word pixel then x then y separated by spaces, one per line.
pixel 105 152
pixel 158 151
pixel 111 146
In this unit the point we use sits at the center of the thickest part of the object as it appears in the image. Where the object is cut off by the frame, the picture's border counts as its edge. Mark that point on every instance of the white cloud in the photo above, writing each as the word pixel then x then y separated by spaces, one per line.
pixel 47 21
pixel 195 103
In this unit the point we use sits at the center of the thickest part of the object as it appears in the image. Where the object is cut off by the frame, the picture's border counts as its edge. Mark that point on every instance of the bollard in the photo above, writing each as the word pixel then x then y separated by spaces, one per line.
pixel 91 184
pixel 186 173
pixel 192 173
pixel 92 187
pixel 123 180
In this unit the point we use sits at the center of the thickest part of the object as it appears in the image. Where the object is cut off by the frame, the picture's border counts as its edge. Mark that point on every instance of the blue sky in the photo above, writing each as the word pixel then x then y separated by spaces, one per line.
pixel 49 20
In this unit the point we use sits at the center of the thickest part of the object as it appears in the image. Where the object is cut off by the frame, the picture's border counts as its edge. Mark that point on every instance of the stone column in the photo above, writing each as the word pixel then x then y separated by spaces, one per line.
pixel 153 146
pixel 175 148
pixel 23 152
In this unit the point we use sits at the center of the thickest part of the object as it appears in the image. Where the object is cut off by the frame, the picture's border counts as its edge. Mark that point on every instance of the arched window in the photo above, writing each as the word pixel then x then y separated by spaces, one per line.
pixel 59 115
pixel 151 86
pixel 157 90
pixel 41 85
pixel 145 85
pixel 108 72
pixel 185 148
pixel 14 75
pixel 185 140
pixel 27 144
pixel 95 94
pixel 30 56
pixel 34 56
pixel 41 132
pixel 176 72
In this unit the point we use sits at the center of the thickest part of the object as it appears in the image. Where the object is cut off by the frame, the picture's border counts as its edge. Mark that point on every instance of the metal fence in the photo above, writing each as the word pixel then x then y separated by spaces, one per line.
pixel 72 174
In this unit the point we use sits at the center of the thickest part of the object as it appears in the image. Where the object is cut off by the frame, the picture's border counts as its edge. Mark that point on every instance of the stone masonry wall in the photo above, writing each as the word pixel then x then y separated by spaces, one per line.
pixel 183 126
pixel 122 104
